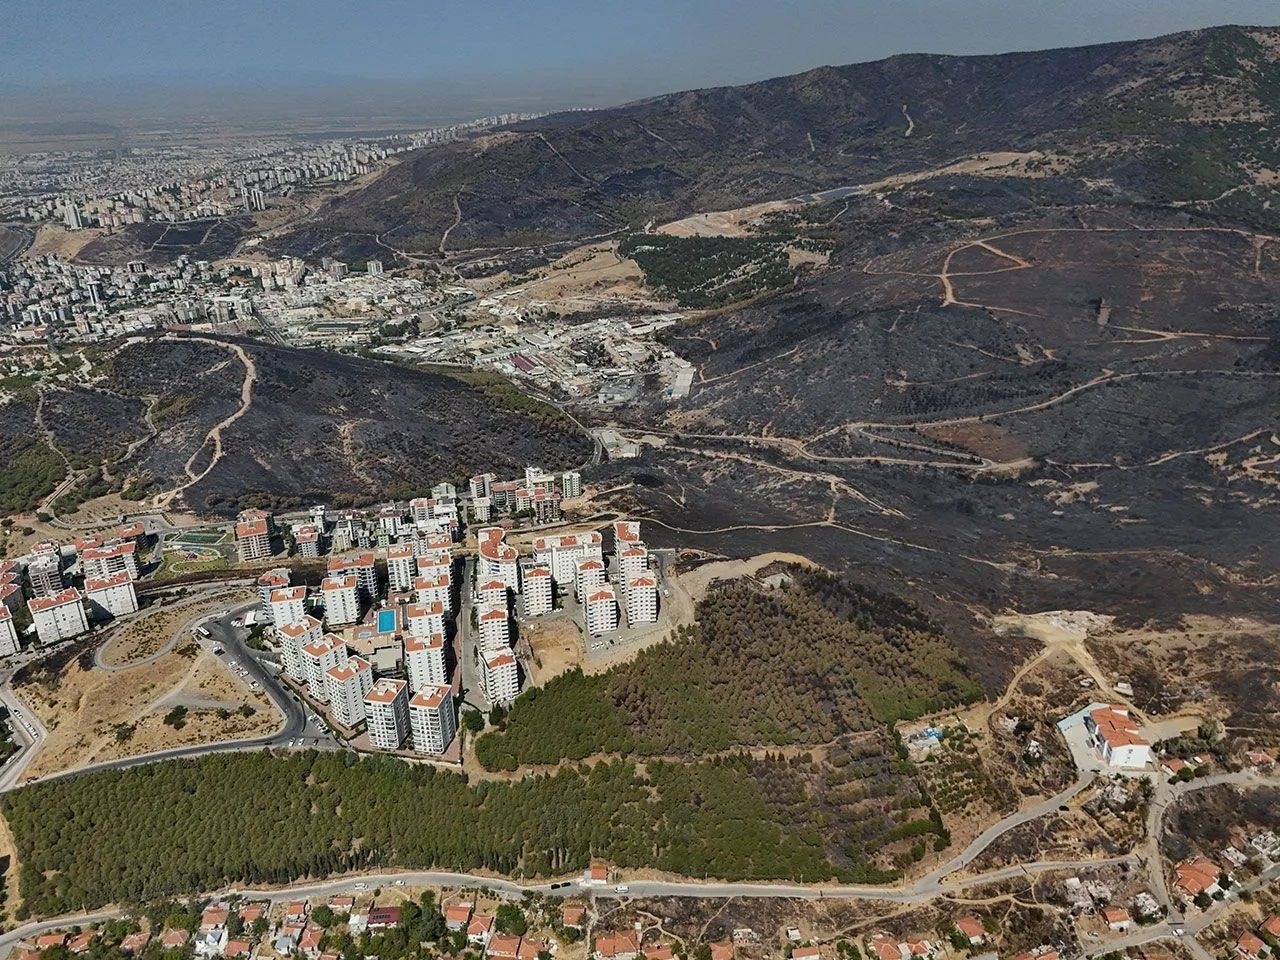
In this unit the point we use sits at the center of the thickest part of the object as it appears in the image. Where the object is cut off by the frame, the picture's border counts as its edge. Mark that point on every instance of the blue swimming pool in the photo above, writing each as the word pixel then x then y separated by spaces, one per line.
pixel 386 621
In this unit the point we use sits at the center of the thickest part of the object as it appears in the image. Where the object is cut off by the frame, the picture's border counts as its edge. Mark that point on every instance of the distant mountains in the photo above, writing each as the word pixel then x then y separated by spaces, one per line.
pixel 1179 118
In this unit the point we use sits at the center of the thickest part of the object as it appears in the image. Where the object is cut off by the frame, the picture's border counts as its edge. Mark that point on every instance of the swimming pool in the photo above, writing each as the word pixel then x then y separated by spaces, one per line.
pixel 386 621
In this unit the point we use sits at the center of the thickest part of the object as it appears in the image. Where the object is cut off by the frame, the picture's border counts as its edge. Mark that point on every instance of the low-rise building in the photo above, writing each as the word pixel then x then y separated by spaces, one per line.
pixel 386 708
pixel 346 686
pixel 432 719
pixel 112 596
pixel 1114 733
pixel 1196 876
pixel 59 617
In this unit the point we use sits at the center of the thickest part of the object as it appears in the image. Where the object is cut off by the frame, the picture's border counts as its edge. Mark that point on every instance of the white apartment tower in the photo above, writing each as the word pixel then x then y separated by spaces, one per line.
pixel 497 558
pixel 432 720
pixel 346 686
pixel 642 600
pixel 288 605
pixel 495 628
pixel 45 574
pixel 271 580
pixel 633 561
pixel 98 563
pixel 59 617
pixel 570 484
pixel 8 633
pixel 318 657
pixel 588 578
pixel 341 600
pixel 500 677
pixel 293 637
pixel 424 661
pixel 434 590
pixel 491 593
pixel 425 619
pixel 539 593
pixel 402 566
pixel 602 610
pixel 386 710
pixel 481 485
pixel 112 596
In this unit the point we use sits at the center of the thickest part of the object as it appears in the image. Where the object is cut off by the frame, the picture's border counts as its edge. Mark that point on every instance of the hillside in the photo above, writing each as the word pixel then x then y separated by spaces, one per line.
pixel 1173 118
pixel 313 425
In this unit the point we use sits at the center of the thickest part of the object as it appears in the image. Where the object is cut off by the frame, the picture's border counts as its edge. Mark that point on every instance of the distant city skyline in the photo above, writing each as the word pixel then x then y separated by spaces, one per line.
pixel 66 59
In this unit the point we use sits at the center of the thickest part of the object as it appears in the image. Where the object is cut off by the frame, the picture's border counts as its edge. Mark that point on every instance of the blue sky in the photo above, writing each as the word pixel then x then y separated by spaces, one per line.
pixel 574 50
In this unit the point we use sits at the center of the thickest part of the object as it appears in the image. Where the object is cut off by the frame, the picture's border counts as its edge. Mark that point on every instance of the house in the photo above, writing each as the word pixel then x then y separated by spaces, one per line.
pixel 598 873
pixel 623 945
pixel 917 947
pixel 457 916
pixel 722 950
pixel 884 947
pixel 1260 759
pixel 80 943
pixel 530 949
pixel 1271 925
pixel 296 912
pixel 238 948
pixel 480 929
pixel 1174 766
pixel 174 937
pixel 1116 919
pixel 251 912
pixel 134 942
pixel 971 929
pixel 1197 876
pixel 658 951
pixel 805 953
pixel 342 904
pixel 309 942
pixel 503 946
pixel 573 915
pixel 1250 946
pixel 214 917
pixel 47 941
pixel 382 917
pixel 1114 733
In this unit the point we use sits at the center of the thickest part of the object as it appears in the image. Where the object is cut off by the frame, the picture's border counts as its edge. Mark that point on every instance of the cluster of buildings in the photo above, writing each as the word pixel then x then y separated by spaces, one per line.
pixel 193 182
pixel 106 567
pixel 603 363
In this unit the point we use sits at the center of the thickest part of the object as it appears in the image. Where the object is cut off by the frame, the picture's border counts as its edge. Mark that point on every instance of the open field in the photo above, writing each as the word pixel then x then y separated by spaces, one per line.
pixel 94 715
pixel 556 646
pixel 152 629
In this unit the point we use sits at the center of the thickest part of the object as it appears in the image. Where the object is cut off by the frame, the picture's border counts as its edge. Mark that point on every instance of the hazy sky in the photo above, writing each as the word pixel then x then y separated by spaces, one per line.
pixel 567 52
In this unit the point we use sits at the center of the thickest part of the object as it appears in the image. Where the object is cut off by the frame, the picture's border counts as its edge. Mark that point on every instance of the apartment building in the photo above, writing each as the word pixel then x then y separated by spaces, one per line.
pixel 570 484
pixel 497 559
pixel 346 686
pixel 362 567
pixel 386 709
pixel 98 563
pixel 539 593
pixel 434 547
pixel 425 619
pixel 287 605
pixel 293 637
pixel 341 600
pixel 500 676
pixel 134 533
pixel 560 554
pixel 268 581
pixel 257 515
pixel 430 590
pixel 633 561
pixel 601 607
pixel 8 633
pixel 642 601
pixel 44 573
pixel 481 510
pixel 112 596
pixel 402 566
pixel 588 578
pixel 495 628
pixel 432 720
pixel 626 533
pixel 318 657
pixel 425 662
pixel 306 542
pixel 253 540
pixel 482 484
pixel 59 617
pixel 491 593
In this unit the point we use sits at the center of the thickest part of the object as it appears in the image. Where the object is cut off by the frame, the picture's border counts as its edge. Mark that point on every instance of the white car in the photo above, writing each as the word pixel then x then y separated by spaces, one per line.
pixel 621 888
